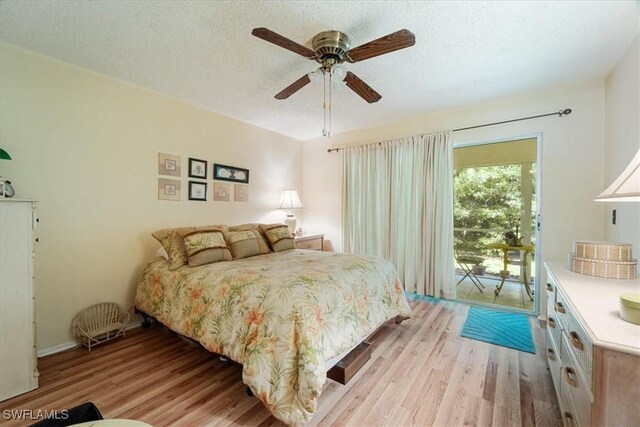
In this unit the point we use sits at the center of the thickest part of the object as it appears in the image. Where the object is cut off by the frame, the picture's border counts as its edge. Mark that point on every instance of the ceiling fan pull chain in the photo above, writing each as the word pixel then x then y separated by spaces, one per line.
pixel 324 103
pixel 330 101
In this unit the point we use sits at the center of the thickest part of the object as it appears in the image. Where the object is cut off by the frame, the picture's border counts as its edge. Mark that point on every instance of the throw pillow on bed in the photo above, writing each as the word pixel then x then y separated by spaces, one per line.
pixel 172 240
pixel 244 244
pixel 206 247
pixel 264 248
pixel 278 237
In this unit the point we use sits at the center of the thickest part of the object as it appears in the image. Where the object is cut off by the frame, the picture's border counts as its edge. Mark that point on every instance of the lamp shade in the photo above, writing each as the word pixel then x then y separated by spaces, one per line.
pixel 4 155
pixel 626 188
pixel 290 200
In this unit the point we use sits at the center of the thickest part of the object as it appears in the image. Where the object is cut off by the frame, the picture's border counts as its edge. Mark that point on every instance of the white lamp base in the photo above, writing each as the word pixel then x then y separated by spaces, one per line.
pixel 291 222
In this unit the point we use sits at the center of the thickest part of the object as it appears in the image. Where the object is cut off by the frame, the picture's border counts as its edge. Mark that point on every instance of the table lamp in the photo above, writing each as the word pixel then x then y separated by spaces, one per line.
pixel 290 201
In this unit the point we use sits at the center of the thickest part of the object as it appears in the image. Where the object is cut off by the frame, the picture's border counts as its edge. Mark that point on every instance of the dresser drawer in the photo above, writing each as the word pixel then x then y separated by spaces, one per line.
pixel 577 339
pixel 552 353
pixel 553 325
pixel 314 244
pixel 575 392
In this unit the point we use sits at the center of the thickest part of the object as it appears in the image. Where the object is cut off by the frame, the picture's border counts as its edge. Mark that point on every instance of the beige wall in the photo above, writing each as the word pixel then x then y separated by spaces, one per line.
pixel 622 136
pixel 86 147
pixel 572 161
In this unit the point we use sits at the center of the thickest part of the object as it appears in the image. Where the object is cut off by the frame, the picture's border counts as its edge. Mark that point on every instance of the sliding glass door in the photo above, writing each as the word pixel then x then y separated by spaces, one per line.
pixel 495 233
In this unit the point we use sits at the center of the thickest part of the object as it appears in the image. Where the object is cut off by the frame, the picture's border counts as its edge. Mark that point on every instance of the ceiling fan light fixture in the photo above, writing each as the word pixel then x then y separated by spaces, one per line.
pixel 338 72
pixel 316 76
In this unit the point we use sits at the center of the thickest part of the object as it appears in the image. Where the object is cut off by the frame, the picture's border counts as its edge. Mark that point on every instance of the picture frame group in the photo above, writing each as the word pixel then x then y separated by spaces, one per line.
pixel 169 171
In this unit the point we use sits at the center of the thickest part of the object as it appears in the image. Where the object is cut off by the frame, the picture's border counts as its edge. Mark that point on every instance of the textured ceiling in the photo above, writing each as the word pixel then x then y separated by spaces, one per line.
pixel 203 52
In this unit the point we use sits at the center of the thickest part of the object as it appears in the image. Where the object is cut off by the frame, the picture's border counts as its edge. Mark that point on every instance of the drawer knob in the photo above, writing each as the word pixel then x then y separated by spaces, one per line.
pixel 576 341
pixel 560 308
pixel 551 355
pixel 570 376
pixel 551 322
pixel 549 287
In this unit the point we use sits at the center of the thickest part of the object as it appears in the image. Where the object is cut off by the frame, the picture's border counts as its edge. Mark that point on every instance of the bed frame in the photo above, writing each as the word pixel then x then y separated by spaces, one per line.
pixel 342 368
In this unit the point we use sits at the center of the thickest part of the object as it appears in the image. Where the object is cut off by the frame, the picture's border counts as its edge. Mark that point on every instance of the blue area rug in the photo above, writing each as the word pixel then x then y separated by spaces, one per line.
pixel 415 296
pixel 499 327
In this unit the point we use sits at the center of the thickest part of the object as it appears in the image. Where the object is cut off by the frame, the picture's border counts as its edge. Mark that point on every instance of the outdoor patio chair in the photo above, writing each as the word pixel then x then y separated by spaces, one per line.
pixel 467 263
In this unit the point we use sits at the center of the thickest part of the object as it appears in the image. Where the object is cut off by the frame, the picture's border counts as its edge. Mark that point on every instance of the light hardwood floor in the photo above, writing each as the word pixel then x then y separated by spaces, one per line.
pixel 421 373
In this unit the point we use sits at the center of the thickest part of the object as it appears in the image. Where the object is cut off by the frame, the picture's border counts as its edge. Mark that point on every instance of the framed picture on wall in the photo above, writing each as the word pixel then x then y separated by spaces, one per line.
pixel 230 173
pixel 168 164
pixel 197 168
pixel 241 193
pixel 221 192
pixel 197 191
pixel 169 189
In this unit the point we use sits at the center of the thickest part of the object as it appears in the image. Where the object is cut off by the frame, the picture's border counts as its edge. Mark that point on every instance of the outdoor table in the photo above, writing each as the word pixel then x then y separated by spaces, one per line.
pixel 505 248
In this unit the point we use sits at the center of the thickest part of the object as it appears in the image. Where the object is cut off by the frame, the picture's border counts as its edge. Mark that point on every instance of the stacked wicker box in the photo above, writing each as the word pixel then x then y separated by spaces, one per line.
pixel 603 259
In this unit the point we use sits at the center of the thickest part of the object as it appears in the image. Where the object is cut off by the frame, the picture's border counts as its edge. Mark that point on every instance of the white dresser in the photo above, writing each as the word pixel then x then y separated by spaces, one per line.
pixel 593 355
pixel 18 362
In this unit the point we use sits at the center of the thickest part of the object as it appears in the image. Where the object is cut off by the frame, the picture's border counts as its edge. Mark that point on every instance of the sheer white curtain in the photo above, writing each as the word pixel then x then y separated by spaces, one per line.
pixel 398 204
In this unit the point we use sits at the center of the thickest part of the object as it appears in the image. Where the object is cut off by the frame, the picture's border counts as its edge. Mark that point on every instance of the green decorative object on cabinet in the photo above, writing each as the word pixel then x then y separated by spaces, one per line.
pixel 630 307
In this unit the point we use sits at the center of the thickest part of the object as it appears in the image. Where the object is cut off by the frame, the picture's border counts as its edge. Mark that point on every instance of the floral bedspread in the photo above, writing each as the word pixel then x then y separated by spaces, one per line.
pixel 281 315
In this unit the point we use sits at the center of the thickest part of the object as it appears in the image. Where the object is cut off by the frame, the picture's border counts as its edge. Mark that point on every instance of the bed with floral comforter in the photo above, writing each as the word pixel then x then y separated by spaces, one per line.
pixel 280 315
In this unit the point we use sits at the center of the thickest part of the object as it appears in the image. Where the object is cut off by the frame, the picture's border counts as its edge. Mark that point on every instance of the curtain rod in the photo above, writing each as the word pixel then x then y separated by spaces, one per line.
pixel 560 113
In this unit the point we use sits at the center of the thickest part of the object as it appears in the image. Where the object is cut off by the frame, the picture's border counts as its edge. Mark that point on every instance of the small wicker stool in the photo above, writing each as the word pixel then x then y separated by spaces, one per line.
pixel 99 323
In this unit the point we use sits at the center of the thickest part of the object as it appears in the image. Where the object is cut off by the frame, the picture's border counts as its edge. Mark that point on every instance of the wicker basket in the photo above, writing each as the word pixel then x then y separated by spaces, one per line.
pixel 603 268
pixel 608 251
pixel 99 323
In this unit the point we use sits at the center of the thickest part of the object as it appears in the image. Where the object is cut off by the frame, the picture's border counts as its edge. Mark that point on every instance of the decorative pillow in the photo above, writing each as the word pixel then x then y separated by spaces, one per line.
pixel 244 244
pixel 278 237
pixel 264 248
pixel 172 239
pixel 245 227
pixel 205 247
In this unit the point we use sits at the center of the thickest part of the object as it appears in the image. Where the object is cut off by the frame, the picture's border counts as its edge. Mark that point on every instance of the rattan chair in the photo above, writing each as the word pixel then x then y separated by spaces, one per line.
pixel 99 323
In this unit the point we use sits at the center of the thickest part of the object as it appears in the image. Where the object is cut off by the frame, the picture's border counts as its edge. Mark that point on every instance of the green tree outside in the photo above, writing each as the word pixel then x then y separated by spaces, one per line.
pixel 487 198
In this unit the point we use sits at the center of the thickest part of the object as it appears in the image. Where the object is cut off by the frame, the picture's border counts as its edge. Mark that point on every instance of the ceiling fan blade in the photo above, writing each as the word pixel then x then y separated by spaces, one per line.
pixel 361 88
pixel 294 87
pixel 278 40
pixel 389 43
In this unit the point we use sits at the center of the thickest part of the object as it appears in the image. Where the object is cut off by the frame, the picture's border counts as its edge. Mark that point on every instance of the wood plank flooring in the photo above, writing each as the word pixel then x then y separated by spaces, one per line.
pixel 421 373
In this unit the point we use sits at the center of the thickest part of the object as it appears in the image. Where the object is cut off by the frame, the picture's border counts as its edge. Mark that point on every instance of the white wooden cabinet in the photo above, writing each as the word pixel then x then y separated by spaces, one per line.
pixel 313 242
pixel 18 360
pixel 593 355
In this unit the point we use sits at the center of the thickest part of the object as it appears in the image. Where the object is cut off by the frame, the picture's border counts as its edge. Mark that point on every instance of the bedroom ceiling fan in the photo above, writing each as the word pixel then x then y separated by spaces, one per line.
pixel 330 50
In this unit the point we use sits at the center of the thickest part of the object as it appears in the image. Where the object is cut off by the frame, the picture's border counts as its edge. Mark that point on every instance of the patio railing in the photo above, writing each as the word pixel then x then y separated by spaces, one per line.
pixel 474 241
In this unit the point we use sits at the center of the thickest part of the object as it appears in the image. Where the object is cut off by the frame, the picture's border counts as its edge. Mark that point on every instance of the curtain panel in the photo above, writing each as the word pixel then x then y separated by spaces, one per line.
pixel 397 203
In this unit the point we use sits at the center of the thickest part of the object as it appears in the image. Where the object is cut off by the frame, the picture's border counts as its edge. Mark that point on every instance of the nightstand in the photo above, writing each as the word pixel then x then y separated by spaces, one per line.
pixel 313 242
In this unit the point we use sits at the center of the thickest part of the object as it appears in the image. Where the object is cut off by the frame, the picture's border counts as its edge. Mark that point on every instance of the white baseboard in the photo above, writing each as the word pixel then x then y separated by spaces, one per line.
pixel 57 349
pixel 73 344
